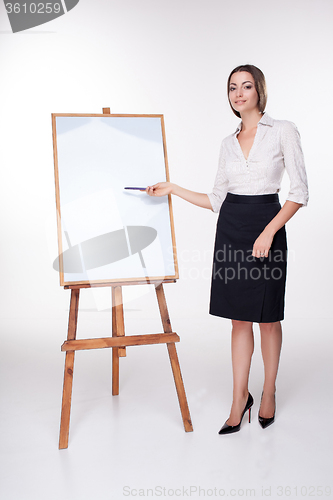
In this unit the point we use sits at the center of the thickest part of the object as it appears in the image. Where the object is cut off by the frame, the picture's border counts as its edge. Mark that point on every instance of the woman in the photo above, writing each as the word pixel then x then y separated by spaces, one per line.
pixel 249 268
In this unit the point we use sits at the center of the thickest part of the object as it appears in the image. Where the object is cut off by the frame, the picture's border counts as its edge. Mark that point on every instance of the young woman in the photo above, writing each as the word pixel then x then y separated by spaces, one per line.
pixel 250 255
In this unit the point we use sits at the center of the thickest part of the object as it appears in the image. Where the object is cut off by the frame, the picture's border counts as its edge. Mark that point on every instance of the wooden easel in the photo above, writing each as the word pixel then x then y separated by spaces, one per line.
pixel 118 342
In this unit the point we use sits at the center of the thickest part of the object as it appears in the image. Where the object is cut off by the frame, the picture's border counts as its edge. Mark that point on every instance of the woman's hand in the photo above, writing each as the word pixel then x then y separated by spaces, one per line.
pixel 262 244
pixel 264 241
pixel 160 189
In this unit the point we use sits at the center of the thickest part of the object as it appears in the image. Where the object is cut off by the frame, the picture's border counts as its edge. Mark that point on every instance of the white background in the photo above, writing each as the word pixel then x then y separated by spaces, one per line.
pixel 170 57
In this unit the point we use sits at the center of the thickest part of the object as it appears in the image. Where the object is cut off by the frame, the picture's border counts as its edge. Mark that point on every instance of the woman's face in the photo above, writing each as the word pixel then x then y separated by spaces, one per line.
pixel 242 92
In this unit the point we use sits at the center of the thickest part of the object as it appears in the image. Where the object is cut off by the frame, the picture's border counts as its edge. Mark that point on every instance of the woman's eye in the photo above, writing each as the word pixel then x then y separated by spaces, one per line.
pixel 232 88
pixel 248 87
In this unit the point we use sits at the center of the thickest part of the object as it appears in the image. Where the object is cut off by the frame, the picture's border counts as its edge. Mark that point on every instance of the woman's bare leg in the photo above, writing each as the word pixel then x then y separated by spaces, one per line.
pixel 271 341
pixel 242 345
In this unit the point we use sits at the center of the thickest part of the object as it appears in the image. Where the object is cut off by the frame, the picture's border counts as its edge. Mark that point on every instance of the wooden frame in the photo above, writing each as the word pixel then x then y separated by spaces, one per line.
pixel 63 281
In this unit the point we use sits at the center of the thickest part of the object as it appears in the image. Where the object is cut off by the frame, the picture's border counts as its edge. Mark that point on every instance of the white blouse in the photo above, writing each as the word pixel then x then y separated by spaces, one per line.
pixel 276 147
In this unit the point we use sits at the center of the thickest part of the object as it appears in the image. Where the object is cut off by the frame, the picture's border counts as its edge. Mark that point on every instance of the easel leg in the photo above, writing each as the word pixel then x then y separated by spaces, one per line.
pixel 180 387
pixel 115 371
pixel 118 329
pixel 68 373
pixel 174 360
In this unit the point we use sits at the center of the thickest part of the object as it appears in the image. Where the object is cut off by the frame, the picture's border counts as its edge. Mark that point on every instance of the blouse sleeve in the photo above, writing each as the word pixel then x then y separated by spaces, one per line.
pixel 294 164
pixel 220 189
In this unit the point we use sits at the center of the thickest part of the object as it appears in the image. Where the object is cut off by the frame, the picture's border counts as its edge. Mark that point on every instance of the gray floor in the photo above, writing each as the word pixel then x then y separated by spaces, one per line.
pixel 134 444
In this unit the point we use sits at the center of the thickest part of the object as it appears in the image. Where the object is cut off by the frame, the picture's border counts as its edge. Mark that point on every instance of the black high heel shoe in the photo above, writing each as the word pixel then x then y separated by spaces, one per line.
pixel 265 422
pixel 228 429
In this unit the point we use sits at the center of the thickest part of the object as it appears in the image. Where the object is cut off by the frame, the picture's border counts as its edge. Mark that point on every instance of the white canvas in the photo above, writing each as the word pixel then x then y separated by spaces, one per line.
pixel 97 157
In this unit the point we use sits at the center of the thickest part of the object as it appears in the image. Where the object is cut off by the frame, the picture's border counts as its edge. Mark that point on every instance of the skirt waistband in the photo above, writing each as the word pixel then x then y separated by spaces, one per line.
pixel 256 198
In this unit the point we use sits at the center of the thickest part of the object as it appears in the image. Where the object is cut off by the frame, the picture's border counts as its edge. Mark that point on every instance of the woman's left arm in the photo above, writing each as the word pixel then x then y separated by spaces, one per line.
pixel 264 241
pixel 298 193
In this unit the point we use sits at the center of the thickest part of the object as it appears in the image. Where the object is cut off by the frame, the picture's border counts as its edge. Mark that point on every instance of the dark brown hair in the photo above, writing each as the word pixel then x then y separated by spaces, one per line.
pixel 259 82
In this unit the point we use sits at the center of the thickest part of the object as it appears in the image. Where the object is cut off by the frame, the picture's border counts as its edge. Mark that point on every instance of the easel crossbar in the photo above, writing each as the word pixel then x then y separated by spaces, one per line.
pixel 156 338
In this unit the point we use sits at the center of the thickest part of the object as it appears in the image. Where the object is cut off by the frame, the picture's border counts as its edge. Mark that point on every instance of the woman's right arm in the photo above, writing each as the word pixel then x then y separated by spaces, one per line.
pixel 165 188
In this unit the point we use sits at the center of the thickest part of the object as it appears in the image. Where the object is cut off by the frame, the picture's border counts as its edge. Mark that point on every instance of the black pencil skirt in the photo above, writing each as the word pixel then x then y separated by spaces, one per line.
pixel 243 287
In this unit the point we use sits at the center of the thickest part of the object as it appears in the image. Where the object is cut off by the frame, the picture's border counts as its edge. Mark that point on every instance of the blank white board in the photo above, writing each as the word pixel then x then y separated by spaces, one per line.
pixel 106 233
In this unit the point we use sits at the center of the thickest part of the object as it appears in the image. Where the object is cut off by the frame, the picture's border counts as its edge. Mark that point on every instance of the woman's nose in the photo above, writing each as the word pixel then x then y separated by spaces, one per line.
pixel 239 92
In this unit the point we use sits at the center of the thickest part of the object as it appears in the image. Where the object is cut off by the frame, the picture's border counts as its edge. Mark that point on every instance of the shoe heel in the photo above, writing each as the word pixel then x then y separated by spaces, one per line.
pixel 249 415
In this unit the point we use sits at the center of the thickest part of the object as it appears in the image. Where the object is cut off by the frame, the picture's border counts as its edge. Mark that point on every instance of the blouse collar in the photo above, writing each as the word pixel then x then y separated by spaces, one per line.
pixel 264 120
